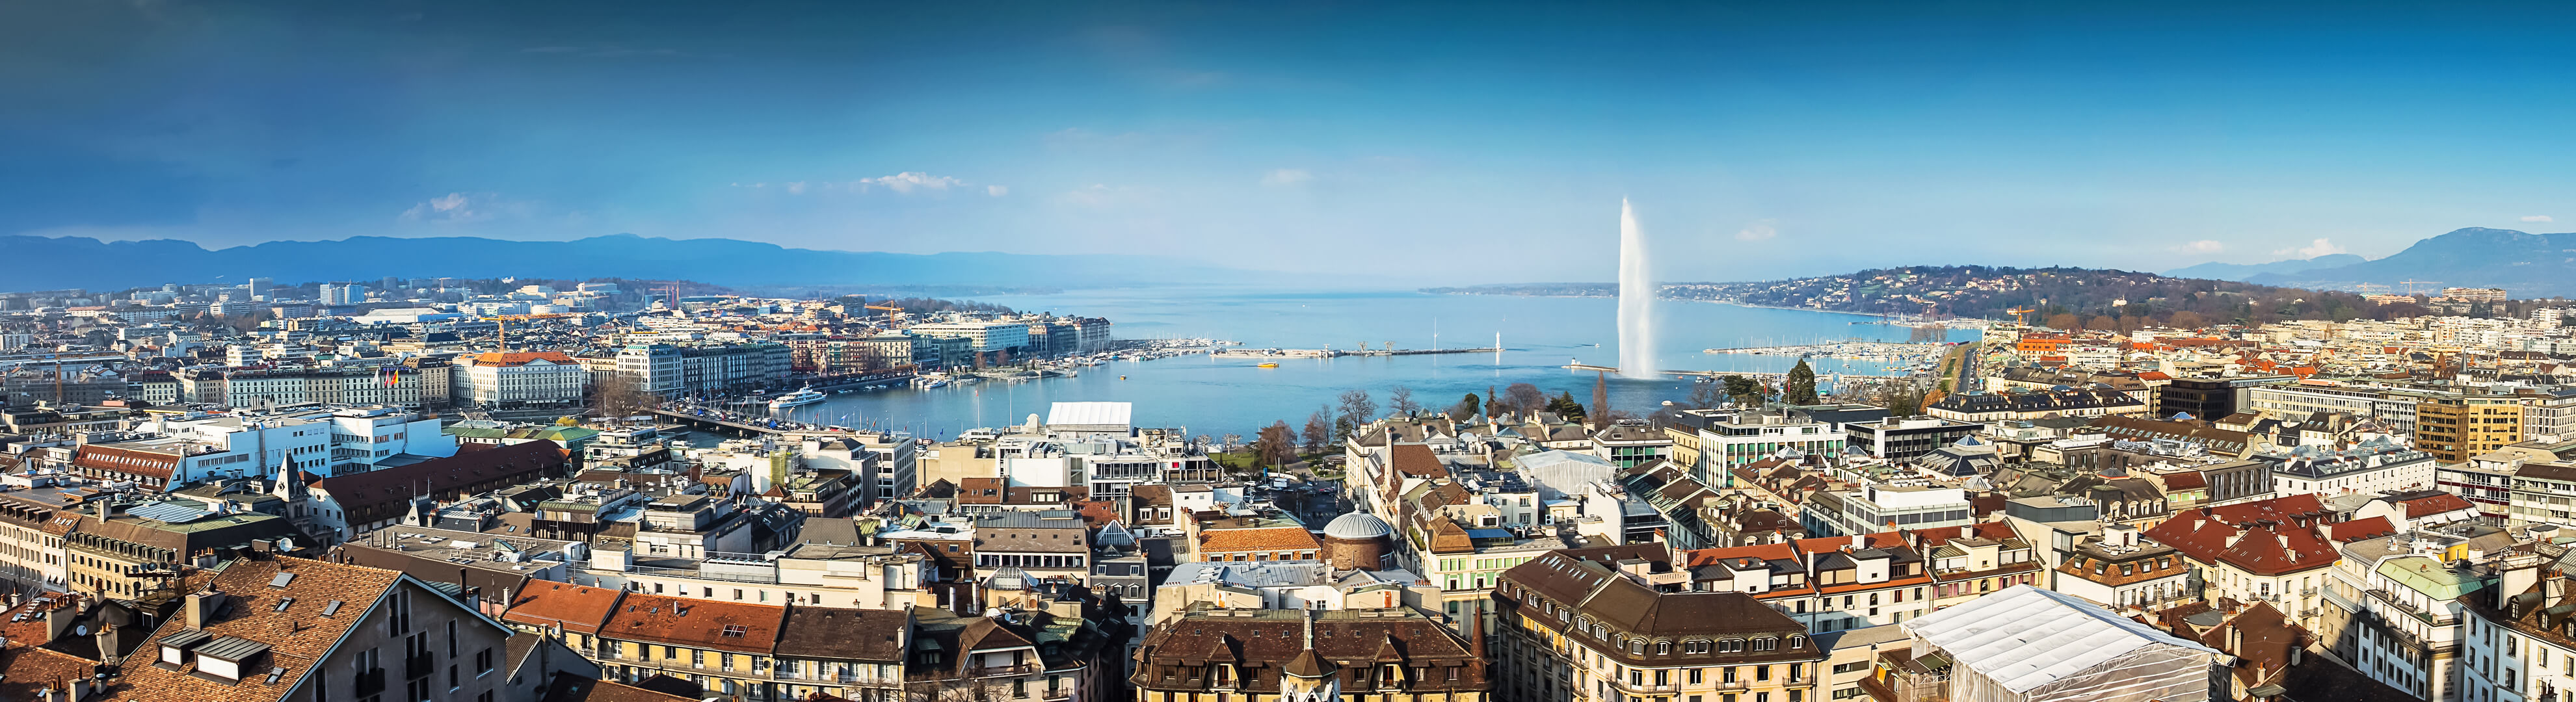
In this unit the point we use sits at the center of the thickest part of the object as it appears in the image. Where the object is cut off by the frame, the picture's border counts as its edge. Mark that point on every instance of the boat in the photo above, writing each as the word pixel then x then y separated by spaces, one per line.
pixel 802 397
pixel 1267 364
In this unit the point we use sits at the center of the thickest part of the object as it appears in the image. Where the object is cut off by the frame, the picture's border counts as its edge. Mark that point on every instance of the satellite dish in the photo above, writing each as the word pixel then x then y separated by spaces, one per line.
pixel 82 630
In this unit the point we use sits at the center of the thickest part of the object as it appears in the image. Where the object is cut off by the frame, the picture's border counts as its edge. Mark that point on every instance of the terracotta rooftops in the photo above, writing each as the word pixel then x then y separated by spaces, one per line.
pixel 731 626
pixel 1416 461
pixel 577 608
pixel 1279 538
pixel 2267 537
pixel 296 636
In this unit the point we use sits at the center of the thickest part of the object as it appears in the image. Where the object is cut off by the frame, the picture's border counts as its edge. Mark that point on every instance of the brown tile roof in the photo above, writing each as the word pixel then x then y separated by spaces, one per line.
pixel 392 488
pixel 298 636
pixel 578 608
pixel 521 358
pixel 2429 505
pixel 1282 538
pixel 1416 460
pixel 843 634
pixel 727 626
pixel 1558 591
pixel 2358 529
pixel 1264 642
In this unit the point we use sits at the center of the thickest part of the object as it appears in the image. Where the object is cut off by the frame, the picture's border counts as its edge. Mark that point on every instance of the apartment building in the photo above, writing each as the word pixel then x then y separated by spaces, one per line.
pixel 519 379
pixel 1602 625
pixel 1393 655
pixel 283 628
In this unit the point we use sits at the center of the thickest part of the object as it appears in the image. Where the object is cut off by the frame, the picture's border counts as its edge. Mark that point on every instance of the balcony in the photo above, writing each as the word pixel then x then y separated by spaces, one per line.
pixel 369 683
pixel 417 667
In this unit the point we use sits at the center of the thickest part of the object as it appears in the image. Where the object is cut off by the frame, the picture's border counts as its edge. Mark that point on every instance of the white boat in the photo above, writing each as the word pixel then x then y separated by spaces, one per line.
pixel 801 397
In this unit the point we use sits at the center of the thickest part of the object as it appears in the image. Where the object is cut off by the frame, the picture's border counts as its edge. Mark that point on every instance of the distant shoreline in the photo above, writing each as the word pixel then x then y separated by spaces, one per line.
pixel 1879 315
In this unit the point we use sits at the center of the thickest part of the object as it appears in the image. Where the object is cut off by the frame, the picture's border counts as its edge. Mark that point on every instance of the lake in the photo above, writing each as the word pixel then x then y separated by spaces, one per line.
pixel 1219 396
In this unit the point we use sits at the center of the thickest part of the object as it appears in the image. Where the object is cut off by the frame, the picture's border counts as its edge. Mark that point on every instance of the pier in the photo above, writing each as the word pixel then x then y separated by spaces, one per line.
pixel 1754 375
pixel 1334 353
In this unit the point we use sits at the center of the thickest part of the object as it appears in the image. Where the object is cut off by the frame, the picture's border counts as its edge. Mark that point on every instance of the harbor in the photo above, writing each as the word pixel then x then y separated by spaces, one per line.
pixel 1337 353
pixel 1884 352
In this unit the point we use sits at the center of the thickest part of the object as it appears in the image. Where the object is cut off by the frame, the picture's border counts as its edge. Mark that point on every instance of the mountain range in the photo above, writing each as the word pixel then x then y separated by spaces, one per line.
pixel 2241 271
pixel 2527 265
pixel 46 263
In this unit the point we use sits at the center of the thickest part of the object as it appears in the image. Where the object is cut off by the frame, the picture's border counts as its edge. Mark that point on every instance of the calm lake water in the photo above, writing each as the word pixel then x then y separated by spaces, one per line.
pixel 1219 396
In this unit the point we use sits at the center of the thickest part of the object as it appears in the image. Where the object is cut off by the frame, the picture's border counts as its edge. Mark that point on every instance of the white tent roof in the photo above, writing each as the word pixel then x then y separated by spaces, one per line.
pixel 2023 637
pixel 1090 414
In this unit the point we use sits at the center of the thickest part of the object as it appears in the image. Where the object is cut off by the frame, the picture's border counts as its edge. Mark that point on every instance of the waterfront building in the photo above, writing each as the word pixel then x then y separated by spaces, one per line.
pixel 982 336
pixel 1606 624
pixel 519 379
pixel 2026 405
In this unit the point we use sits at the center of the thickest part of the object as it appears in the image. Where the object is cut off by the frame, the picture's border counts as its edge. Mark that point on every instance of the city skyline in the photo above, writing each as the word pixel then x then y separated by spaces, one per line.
pixel 1784 143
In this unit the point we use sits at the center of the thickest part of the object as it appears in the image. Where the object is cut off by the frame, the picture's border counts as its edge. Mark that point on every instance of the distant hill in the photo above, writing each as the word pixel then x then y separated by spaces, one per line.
pixel 2529 265
pixel 2242 271
pixel 2061 297
pixel 44 263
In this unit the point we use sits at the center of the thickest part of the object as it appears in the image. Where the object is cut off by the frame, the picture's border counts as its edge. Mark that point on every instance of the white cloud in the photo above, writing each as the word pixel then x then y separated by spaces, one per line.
pixel 796 188
pixel 1759 230
pixel 2204 246
pixel 996 190
pixel 451 207
pixel 908 181
pixel 1286 176
pixel 1105 196
pixel 2542 219
pixel 2320 247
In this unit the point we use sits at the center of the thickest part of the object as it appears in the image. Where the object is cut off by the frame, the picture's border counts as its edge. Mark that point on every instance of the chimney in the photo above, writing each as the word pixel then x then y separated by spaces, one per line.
pixel 201 608
pixel 2553 585
pixel 1859 541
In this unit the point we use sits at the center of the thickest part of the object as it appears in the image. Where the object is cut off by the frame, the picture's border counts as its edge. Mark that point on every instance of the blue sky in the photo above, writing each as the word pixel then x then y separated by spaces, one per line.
pixel 1432 143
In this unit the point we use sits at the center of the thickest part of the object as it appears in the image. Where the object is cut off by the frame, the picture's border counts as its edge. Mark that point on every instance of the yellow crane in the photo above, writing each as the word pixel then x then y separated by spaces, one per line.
pixel 501 339
pixel 2019 313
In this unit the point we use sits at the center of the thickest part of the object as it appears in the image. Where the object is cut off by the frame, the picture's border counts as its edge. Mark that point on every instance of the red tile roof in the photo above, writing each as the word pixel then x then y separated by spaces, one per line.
pixel 578 608
pixel 2267 537
pixel 2359 529
pixel 1416 460
pixel 727 626
pixel 2435 504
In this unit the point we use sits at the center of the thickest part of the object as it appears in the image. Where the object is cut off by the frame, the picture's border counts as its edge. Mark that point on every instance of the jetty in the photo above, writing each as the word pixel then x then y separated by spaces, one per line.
pixel 1336 353
pixel 706 422
pixel 1754 375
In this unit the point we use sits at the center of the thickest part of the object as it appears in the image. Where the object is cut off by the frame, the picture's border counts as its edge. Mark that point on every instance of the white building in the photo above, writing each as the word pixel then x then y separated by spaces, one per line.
pixel 2024 644
pixel 542 378
pixel 987 336
pixel 2379 464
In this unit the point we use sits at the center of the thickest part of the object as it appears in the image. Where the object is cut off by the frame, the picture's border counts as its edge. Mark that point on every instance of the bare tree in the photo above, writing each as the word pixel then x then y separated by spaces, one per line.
pixel 1319 430
pixel 1523 398
pixel 620 395
pixel 1400 400
pixel 1357 407
pixel 1601 401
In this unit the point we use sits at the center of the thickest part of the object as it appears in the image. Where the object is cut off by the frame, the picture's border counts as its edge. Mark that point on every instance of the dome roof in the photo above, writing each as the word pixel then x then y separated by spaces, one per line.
pixel 1356 526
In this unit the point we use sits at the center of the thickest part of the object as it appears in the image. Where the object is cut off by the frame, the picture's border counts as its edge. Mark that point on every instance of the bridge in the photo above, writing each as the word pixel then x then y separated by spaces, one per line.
pixel 713 423
pixel 1752 375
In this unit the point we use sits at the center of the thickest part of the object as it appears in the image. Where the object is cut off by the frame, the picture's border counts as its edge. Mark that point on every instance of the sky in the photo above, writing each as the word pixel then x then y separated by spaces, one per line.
pixel 1430 143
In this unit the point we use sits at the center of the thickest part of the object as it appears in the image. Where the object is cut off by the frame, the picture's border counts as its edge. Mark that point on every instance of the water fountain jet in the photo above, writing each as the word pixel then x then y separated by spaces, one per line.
pixel 1636 301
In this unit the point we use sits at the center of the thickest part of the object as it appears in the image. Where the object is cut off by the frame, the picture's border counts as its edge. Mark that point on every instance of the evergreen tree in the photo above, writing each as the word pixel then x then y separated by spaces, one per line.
pixel 1600 401
pixel 1802 384
pixel 1467 407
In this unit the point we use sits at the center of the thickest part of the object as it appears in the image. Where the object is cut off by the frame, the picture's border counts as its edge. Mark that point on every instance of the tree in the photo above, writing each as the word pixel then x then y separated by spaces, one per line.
pixel 1319 430
pixel 620 395
pixel 1523 397
pixel 1706 394
pixel 2065 321
pixel 1904 401
pixel 1566 408
pixel 1802 384
pixel 2103 323
pixel 1743 390
pixel 2187 319
pixel 1467 407
pixel 1400 400
pixel 1600 401
pixel 1277 445
pixel 1357 408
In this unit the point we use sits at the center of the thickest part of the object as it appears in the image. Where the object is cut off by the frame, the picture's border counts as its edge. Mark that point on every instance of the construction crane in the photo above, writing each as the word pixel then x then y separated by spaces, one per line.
pixel 2410 284
pixel 501 339
pixel 2019 314
pixel 674 292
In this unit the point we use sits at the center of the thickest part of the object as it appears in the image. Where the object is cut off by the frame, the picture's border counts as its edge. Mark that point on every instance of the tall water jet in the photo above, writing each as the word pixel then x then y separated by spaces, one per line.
pixel 1636 301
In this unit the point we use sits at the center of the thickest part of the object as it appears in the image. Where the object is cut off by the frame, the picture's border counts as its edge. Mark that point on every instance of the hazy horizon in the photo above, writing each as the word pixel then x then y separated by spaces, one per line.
pixel 1441 143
